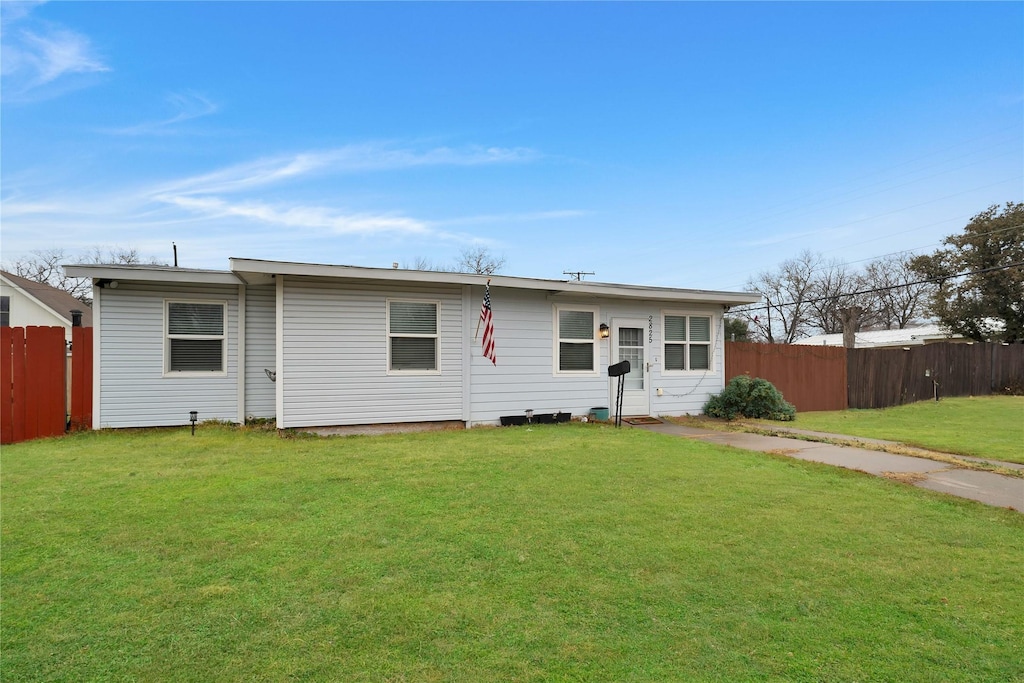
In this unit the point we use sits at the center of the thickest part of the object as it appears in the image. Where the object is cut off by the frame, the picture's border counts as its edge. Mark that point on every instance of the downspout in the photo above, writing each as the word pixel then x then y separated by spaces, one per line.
pixel 97 344
pixel 467 355
pixel 241 354
pixel 279 352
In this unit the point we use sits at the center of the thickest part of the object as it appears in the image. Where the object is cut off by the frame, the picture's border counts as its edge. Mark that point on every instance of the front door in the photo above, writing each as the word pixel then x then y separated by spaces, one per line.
pixel 629 343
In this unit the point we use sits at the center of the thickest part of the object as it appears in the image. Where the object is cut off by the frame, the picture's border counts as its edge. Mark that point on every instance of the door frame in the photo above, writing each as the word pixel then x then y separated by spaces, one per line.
pixel 613 357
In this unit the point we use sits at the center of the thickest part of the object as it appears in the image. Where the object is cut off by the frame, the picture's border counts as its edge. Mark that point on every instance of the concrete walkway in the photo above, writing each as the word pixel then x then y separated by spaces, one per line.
pixel 987 487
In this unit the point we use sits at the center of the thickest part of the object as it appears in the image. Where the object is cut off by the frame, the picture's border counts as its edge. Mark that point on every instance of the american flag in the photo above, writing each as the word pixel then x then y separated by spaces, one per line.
pixel 487 319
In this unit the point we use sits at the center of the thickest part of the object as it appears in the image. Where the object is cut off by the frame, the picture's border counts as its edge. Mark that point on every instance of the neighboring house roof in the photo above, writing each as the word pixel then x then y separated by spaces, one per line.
pixel 910 336
pixel 57 300
pixel 255 271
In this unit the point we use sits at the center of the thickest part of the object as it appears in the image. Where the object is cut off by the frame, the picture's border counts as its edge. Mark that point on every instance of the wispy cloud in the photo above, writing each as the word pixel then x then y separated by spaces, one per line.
pixel 347 159
pixel 35 60
pixel 302 216
pixel 187 106
pixel 234 203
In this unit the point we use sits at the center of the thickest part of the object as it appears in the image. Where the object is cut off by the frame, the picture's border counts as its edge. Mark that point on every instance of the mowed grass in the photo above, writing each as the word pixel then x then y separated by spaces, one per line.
pixel 983 426
pixel 564 552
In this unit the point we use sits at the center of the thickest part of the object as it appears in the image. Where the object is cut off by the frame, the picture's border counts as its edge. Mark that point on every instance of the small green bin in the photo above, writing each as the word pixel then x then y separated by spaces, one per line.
pixel 600 413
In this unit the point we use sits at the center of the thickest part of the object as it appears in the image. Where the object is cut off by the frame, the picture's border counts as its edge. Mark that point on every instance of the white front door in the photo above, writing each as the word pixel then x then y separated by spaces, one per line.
pixel 629 342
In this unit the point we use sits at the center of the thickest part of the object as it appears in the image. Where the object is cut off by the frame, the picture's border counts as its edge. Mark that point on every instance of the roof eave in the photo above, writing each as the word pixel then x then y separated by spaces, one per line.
pixel 152 274
pixel 251 269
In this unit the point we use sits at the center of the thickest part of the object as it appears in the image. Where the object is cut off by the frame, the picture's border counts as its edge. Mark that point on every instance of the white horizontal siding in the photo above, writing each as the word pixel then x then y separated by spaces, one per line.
pixel 334 350
pixel 260 341
pixel 524 375
pixel 686 394
pixel 133 391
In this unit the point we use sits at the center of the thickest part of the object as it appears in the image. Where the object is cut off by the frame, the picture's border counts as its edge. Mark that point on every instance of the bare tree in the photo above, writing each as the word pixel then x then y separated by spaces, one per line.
pixel 479 260
pixel 836 288
pixel 46 266
pixel 421 263
pixel 786 291
pixel 902 299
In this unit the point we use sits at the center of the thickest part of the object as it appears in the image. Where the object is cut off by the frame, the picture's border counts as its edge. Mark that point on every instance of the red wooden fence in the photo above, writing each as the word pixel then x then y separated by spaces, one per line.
pixel 809 377
pixel 33 400
pixel 81 379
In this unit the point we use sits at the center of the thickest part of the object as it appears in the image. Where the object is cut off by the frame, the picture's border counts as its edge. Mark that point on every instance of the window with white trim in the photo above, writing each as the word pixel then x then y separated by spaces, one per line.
pixel 575 339
pixel 412 336
pixel 687 342
pixel 195 336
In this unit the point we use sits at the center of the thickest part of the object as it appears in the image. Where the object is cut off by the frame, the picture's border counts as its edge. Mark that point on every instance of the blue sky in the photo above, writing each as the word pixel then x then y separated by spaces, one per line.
pixel 676 144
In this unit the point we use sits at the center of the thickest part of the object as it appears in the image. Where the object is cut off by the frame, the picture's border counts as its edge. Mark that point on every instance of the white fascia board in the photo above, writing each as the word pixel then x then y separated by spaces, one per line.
pixel 152 274
pixel 246 268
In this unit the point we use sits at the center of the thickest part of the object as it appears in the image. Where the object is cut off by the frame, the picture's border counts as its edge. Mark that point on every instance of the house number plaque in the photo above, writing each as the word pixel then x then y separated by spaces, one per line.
pixel 650 329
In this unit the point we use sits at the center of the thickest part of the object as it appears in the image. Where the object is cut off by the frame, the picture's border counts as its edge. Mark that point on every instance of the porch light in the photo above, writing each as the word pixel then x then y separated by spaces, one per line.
pixel 603 331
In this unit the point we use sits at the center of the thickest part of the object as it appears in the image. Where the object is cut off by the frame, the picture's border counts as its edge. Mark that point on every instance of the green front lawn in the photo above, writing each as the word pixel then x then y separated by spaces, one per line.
pixel 564 552
pixel 984 426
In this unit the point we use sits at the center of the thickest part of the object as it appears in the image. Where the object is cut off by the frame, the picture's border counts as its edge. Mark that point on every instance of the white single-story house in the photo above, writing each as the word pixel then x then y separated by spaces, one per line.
pixel 327 345
pixel 880 339
pixel 25 302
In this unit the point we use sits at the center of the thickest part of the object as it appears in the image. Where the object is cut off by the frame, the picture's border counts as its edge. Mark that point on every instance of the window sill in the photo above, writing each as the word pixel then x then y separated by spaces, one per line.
pixel 190 374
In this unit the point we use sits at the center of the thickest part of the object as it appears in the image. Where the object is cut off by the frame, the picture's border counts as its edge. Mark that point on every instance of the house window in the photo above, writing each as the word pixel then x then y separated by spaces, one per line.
pixel 195 337
pixel 687 342
pixel 412 336
pixel 576 334
pixel 5 311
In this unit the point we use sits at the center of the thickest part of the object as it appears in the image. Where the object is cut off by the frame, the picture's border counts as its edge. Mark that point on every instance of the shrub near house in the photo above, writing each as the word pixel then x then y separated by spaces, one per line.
pixel 750 397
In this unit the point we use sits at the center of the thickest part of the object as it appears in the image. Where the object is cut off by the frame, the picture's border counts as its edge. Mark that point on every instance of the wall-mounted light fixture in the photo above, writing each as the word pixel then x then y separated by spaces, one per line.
pixel 105 282
pixel 603 331
pixel 193 415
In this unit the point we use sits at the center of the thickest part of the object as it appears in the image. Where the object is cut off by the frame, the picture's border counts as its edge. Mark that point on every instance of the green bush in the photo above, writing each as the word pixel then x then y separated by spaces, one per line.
pixel 750 397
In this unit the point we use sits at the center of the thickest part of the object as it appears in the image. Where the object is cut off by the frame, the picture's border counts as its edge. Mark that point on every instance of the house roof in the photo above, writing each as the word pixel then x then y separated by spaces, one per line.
pixel 257 271
pixel 910 336
pixel 59 301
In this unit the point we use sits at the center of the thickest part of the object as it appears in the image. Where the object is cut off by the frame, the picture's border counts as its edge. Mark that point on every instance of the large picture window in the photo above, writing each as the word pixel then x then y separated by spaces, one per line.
pixel 575 339
pixel 195 337
pixel 412 336
pixel 687 342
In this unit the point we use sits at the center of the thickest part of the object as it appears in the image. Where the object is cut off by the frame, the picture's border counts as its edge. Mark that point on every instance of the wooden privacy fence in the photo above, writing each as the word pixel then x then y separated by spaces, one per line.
pixel 888 377
pixel 810 377
pixel 34 378
pixel 834 378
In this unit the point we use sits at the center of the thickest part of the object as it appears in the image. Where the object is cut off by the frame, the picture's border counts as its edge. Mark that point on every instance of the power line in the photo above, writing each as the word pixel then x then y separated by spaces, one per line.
pixel 906 251
pixel 874 290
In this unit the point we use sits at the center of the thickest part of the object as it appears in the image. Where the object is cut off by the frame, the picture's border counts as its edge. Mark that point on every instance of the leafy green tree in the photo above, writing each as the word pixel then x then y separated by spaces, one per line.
pixel 737 329
pixel 987 305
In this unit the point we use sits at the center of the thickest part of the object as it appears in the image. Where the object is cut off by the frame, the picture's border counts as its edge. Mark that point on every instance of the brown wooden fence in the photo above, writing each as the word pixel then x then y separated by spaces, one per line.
pixel 887 377
pixel 810 377
pixel 33 382
pixel 833 378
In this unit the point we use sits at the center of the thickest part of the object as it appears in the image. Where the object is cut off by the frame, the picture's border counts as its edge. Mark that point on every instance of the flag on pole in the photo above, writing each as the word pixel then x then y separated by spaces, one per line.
pixel 487 318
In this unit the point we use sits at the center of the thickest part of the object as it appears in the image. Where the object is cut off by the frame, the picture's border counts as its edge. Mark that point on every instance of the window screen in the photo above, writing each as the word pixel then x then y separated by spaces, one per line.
pixel 687 342
pixel 412 335
pixel 195 337
pixel 575 340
